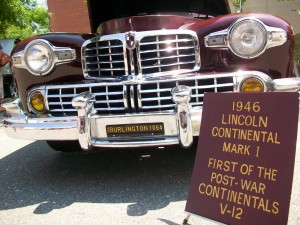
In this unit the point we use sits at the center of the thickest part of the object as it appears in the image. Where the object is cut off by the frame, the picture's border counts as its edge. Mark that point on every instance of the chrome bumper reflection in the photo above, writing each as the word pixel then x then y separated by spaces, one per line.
pixel 90 128
pixel 32 128
pixel 22 127
pixel 180 125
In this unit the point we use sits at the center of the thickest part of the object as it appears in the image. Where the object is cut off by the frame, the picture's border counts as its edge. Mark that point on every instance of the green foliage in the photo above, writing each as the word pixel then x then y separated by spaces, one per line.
pixel 22 18
pixel 236 3
pixel 297 49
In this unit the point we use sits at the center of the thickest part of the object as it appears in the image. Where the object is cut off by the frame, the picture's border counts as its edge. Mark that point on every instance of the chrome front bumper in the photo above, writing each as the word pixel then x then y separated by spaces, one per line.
pixel 90 128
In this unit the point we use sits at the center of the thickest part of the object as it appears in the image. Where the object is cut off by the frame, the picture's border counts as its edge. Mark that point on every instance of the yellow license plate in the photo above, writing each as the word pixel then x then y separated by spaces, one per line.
pixel 140 129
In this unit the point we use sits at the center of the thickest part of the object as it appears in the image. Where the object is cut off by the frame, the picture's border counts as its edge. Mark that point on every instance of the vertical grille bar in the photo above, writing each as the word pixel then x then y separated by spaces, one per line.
pixel 215 83
pixel 60 99
pixel 98 58
pixel 107 96
pixel 178 53
pixel 125 98
pixel 110 58
pixel 131 63
pixel 158 94
pixel 131 93
pixel 158 53
pixel 197 91
pixel 139 98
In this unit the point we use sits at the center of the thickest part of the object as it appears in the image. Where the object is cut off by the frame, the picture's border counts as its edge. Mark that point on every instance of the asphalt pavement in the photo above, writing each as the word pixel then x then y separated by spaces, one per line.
pixel 132 186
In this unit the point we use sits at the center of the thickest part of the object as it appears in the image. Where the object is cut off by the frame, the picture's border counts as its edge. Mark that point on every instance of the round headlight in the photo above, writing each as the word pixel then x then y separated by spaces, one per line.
pixel 248 38
pixel 252 85
pixel 39 57
pixel 37 102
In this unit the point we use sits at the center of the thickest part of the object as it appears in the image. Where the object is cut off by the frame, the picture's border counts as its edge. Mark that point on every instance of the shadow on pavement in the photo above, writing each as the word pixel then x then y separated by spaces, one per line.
pixel 147 179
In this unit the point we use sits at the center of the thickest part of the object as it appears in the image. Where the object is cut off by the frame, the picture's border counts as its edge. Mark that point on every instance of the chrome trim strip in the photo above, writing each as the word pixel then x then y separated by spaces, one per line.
pixel 217 39
pixel 167 42
pixel 286 84
pixel 140 142
pixel 171 49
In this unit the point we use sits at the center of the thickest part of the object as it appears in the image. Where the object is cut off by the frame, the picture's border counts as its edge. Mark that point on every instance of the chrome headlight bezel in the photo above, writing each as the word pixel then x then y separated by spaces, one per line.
pixel 55 55
pixel 49 57
pixel 256 30
pixel 222 40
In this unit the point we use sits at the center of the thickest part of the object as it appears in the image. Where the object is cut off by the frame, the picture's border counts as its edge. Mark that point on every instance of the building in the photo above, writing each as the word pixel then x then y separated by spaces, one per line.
pixel 73 16
pixel 69 16
pixel 285 9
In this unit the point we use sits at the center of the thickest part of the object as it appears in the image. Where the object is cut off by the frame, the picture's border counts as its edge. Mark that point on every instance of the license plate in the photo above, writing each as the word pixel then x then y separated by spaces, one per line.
pixel 139 129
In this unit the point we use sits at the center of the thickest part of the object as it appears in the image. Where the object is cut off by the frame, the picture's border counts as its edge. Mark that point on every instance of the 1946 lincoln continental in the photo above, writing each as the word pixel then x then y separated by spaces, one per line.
pixel 140 78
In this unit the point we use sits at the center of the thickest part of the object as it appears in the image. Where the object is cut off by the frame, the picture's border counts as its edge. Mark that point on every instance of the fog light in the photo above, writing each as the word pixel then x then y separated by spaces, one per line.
pixel 252 85
pixel 37 102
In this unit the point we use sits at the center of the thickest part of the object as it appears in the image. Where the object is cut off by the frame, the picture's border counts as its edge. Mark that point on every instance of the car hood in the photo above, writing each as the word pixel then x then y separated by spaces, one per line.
pixel 100 12
pixel 145 23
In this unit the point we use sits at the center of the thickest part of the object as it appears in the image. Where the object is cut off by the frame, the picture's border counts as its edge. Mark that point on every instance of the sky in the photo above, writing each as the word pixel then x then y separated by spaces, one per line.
pixel 42 2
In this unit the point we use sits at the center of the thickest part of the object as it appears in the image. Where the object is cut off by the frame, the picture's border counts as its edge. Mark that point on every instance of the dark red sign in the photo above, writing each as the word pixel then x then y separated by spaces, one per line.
pixel 244 164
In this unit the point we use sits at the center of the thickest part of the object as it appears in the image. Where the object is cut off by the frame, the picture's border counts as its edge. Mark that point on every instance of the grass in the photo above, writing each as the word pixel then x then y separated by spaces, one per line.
pixel 297 49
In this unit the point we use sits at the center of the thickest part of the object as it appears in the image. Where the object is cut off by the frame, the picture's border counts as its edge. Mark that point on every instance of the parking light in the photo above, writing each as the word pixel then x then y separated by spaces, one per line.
pixel 37 102
pixel 252 85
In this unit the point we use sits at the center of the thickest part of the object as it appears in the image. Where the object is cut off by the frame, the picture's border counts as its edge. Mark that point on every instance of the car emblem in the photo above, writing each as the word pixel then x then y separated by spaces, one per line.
pixel 130 40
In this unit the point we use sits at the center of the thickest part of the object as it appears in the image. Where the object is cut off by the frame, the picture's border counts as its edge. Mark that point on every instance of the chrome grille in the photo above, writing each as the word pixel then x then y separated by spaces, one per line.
pixel 147 96
pixel 105 58
pixel 163 51
pixel 109 98
pixel 156 96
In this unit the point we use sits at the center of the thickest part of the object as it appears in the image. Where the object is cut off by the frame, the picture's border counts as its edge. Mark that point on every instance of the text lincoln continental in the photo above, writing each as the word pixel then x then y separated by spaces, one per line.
pixel 140 78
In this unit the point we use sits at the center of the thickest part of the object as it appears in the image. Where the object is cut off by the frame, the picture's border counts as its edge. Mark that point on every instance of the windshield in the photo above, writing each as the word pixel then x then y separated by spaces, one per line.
pixel 112 9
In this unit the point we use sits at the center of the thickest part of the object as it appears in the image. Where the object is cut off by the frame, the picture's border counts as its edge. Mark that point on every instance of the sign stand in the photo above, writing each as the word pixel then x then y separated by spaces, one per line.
pixel 186 219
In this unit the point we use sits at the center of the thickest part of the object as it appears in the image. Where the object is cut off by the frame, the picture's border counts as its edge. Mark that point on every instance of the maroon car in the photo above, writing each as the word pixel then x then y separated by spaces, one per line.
pixel 140 78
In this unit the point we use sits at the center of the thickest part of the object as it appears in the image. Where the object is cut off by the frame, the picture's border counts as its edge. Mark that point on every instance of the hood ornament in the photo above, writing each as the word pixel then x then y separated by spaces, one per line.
pixel 130 40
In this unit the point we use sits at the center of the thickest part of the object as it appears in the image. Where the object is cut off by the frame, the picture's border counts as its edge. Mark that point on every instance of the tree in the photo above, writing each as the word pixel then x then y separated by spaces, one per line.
pixel 22 18
pixel 236 3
